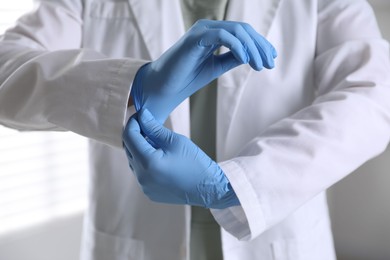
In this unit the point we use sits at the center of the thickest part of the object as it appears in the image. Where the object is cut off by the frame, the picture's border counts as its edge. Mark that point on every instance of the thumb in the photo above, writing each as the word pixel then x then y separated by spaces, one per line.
pixel 156 132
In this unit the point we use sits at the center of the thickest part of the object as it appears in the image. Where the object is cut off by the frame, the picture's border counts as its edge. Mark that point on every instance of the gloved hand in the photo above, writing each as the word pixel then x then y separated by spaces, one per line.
pixel 191 63
pixel 176 171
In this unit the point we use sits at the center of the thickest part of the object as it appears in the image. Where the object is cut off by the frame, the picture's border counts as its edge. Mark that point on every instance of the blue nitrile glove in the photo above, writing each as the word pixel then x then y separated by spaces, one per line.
pixel 176 171
pixel 191 63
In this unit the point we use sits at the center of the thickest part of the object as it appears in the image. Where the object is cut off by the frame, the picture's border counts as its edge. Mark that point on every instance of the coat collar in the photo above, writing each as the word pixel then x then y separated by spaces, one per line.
pixel 161 21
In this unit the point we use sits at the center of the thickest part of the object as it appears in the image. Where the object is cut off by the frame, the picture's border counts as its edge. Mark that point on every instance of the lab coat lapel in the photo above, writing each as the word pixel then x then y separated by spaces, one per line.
pixel 160 23
pixel 259 14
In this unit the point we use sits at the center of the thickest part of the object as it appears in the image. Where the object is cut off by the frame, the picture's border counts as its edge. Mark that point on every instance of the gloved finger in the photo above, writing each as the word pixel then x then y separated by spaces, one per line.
pixel 136 144
pixel 255 59
pixel 224 63
pixel 266 49
pixel 155 131
pixel 220 37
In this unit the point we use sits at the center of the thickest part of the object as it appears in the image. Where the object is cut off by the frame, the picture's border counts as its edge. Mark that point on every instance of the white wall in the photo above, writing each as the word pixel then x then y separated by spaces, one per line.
pixel 360 204
pixel 42 180
pixel 58 239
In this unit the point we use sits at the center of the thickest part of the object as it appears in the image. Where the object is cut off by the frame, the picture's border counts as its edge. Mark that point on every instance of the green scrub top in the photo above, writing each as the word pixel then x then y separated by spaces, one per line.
pixel 205 238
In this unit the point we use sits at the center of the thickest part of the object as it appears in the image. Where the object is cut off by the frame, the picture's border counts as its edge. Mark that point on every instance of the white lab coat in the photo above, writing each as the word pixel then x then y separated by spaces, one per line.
pixel 283 136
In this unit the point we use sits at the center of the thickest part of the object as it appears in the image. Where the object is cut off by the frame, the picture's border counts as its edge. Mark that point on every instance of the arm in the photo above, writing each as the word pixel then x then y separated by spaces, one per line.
pixel 347 124
pixel 48 83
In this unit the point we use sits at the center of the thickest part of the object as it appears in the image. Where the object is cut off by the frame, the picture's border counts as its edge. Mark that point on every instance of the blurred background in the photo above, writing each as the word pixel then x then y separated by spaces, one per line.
pixel 43 184
pixel 43 188
pixel 360 204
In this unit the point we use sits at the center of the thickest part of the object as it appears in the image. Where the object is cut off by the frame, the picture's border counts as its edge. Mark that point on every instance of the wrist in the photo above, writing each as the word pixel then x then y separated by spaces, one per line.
pixel 225 194
pixel 229 199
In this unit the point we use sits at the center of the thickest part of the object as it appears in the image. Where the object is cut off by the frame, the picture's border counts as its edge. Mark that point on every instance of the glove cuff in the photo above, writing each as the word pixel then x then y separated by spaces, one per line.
pixel 226 196
pixel 136 89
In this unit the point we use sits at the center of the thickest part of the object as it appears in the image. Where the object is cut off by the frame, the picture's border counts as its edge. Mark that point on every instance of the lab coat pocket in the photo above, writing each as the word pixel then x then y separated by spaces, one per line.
pixel 102 246
pixel 110 10
pixel 315 244
pixel 288 249
pixel 110 28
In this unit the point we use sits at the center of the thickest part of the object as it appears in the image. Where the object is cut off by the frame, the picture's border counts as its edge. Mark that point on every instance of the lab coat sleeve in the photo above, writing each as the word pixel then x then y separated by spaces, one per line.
pixel 48 83
pixel 348 123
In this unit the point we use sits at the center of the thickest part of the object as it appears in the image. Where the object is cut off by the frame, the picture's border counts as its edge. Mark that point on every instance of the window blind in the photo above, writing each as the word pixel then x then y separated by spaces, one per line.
pixel 43 175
